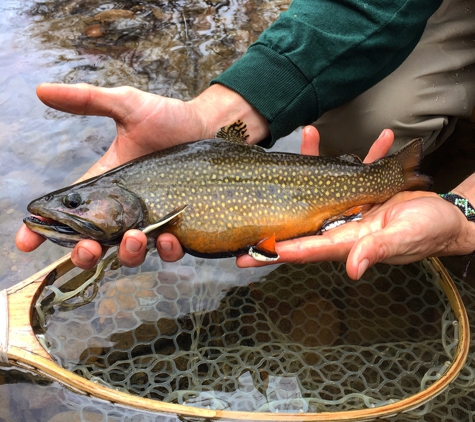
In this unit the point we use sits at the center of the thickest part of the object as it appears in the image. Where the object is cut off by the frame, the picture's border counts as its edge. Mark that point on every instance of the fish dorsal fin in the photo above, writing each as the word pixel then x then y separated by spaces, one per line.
pixel 352 158
pixel 234 132
pixel 164 220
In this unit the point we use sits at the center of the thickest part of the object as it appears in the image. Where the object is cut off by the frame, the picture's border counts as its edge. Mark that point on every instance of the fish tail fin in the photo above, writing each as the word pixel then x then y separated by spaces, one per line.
pixel 409 158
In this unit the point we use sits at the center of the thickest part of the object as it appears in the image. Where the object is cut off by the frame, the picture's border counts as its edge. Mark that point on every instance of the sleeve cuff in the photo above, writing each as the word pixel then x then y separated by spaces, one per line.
pixel 275 87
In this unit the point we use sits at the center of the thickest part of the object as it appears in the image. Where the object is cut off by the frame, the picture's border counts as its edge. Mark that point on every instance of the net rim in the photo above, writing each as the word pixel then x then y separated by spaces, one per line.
pixel 36 360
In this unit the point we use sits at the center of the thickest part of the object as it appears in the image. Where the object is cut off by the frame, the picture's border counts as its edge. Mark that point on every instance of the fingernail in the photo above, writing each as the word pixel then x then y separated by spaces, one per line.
pixel 381 134
pixel 362 267
pixel 132 245
pixel 165 246
pixel 85 256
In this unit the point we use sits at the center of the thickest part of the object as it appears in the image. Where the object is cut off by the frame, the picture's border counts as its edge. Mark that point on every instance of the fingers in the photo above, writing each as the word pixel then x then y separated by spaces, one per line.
pixel 384 246
pixel 169 248
pixel 86 99
pixel 132 250
pixel 26 240
pixel 86 254
pixel 380 147
pixel 309 249
pixel 361 257
pixel 310 141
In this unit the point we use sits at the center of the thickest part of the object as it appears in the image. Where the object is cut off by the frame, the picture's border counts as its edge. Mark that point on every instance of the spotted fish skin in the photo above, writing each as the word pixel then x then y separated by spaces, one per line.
pixel 230 195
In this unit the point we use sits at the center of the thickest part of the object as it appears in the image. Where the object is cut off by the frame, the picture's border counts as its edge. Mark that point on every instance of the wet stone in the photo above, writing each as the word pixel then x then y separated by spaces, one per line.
pixel 94 31
pixel 113 15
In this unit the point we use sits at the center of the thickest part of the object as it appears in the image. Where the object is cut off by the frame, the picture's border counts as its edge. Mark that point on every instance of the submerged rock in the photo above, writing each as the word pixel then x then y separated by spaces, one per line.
pixel 113 15
pixel 94 31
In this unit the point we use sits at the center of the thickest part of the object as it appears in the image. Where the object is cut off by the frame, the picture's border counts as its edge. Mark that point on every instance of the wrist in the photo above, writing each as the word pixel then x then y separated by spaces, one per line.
pixel 466 189
pixel 463 197
pixel 464 240
pixel 219 106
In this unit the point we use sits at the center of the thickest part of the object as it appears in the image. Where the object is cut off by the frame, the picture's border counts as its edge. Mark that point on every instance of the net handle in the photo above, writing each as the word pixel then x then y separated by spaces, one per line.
pixel 458 308
pixel 4 326
pixel 18 343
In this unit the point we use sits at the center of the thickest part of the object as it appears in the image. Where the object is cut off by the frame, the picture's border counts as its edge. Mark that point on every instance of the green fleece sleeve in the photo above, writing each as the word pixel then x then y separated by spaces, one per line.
pixel 320 54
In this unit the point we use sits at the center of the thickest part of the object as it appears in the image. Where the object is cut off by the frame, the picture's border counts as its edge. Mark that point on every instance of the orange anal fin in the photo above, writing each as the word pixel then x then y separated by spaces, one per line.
pixel 264 250
pixel 352 214
pixel 353 211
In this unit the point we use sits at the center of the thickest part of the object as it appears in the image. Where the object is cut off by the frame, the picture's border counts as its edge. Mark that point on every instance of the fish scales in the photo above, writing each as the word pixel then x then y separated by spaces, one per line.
pixel 235 195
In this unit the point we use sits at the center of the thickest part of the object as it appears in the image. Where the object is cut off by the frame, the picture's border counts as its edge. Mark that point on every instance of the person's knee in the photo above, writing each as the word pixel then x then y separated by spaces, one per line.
pixel 353 127
pixel 434 130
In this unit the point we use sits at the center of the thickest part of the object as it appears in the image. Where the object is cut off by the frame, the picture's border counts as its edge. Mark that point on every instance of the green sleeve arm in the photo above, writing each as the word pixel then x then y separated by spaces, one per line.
pixel 320 54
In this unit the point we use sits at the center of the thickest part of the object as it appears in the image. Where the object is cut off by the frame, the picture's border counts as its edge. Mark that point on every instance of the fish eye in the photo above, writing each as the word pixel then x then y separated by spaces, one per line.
pixel 72 200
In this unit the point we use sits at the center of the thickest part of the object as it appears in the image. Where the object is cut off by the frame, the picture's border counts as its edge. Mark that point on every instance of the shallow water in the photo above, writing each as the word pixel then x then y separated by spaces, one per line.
pixel 41 149
pixel 210 335
pixel 154 46
pixel 172 49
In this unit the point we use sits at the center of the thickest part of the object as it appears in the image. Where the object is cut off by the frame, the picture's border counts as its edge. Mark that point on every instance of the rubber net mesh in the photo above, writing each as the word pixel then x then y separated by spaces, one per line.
pixel 278 339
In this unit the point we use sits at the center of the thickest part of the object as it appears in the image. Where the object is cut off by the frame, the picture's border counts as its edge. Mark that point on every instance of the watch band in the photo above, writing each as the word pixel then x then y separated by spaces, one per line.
pixel 462 204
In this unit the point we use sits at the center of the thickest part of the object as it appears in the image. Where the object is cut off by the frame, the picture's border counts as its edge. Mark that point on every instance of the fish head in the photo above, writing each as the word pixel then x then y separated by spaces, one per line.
pixel 85 211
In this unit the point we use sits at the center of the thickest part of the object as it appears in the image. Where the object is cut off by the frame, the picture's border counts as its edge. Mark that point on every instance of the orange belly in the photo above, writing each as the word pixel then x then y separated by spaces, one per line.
pixel 237 239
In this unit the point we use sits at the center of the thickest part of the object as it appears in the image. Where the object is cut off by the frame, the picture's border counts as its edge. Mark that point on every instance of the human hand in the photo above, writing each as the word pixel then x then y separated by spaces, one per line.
pixel 408 227
pixel 145 123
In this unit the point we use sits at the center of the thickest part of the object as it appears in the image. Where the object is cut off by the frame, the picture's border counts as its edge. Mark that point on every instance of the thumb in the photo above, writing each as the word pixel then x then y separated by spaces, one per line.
pixel 310 141
pixel 85 99
pixel 381 146
pixel 374 248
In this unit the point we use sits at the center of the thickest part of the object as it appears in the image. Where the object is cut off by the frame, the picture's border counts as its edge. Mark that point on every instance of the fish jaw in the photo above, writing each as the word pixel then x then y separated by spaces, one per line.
pixel 58 224
pixel 55 232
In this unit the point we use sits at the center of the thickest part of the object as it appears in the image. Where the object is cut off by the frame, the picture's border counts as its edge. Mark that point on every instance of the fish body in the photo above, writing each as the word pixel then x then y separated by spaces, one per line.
pixel 221 197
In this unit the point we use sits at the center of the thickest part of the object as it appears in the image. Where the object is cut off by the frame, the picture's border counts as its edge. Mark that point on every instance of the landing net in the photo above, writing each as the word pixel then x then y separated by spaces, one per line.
pixel 278 339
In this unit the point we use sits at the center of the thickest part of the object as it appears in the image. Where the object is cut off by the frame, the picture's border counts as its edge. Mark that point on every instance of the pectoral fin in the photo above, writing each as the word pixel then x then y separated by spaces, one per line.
pixel 264 250
pixel 164 220
pixel 353 214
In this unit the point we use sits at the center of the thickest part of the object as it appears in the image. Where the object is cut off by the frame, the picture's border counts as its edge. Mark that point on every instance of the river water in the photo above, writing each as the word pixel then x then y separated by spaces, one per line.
pixel 171 49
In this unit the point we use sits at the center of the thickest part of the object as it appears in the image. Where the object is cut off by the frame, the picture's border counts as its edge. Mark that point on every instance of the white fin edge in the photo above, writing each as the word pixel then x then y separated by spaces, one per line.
pixel 260 257
pixel 340 222
pixel 160 223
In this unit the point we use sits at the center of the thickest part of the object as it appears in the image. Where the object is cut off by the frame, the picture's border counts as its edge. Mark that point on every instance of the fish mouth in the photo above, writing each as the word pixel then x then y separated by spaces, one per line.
pixel 59 233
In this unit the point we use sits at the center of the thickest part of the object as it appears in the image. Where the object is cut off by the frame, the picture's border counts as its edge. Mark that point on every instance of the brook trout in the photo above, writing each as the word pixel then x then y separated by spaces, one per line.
pixel 222 197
